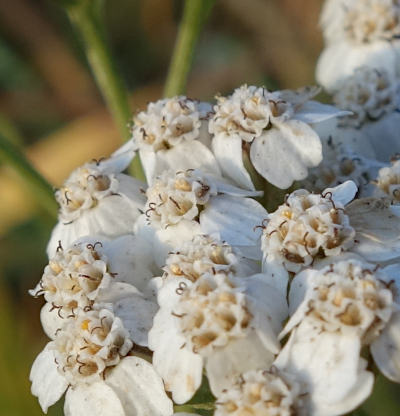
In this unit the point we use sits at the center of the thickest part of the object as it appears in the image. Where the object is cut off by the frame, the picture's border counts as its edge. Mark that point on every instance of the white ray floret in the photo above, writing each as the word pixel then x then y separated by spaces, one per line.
pixel 205 254
pixel 97 199
pixel 358 32
pixel 183 204
pixel 91 272
pixel 306 227
pixel 337 310
pixel 273 127
pixel 172 134
pixel 259 393
pixel 217 323
pixel 90 357
pixel 388 181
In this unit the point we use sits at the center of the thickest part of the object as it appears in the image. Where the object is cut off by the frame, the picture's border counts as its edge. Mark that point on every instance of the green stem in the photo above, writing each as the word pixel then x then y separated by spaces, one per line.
pixel 194 407
pixel 87 17
pixel 35 182
pixel 194 15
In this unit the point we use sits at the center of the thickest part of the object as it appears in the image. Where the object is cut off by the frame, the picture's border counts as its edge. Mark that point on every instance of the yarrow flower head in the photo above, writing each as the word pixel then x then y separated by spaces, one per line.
pixel 388 181
pixel 212 312
pixel 91 193
pixel 83 190
pixel 369 20
pixel 89 360
pixel 369 94
pixel 203 255
pixel 172 134
pixel 259 393
pixel 169 122
pixel 173 198
pixel 358 32
pixel 347 296
pixel 307 226
pixel 341 164
pixel 72 279
pixel 89 345
pixel 218 322
pixel 274 129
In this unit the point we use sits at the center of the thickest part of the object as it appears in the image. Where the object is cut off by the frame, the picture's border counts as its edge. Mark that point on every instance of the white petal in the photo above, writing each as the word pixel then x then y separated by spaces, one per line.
pixel 168 239
pixel 272 301
pixel 119 160
pixel 314 112
pixel 224 187
pixel 298 288
pixel 275 273
pixel 47 383
pixel 139 388
pixel 391 274
pixel 187 155
pixel 117 291
pixel 383 136
pixel 357 395
pixel 50 320
pixel 327 362
pixel 386 349
pixel 224 365
pixel 113 216
pixel 351 139
pixel 234 219
pixel 96 399
pixel 340 59
pixel 149 163
pixel 282 154
pixel 343 193
pixel 180 368
pixel 131 257
pixel 137 315
pixel 228 152
pixel 377 229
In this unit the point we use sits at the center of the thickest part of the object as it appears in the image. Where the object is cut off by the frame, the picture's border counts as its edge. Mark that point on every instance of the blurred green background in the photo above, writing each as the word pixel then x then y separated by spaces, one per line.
pixel 50 105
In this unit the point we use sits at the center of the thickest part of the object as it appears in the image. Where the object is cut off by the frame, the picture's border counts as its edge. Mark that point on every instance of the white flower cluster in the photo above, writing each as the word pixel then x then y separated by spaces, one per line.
pixel 186 287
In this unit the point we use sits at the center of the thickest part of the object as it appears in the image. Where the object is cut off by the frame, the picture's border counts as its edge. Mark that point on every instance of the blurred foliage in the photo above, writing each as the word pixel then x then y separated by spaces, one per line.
pixel 49 102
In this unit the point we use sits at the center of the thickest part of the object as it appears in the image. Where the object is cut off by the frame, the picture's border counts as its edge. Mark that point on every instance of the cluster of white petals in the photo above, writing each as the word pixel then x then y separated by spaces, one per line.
pixel 388 180
pixel 259 393
pixel 306 226
pixel 218 322
pixel 90 344
pixel 212 312
pixel 73 278
pixel 370 20
pixel 369 94
pixel 175 197
pixel 347 297
pixel 274 127
pixel 203 255
pixel 358 32
pixel 186 287
pixel 341 164
pixel 83 190
pixel 166 123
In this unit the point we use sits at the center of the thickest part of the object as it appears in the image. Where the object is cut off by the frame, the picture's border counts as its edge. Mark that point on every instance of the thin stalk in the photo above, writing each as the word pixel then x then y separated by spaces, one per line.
pixel 87 17
pixel 194 406
pixel 37 185
pixel 194 15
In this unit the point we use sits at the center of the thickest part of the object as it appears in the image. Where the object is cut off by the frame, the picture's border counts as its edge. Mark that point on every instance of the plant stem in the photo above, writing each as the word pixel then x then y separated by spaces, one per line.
pixel 40 188
pixel 87 17
pixel 194 15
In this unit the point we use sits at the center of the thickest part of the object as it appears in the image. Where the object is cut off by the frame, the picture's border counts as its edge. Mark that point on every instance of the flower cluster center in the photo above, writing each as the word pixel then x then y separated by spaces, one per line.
pixel 177 197
pixel 212 312
pixel 306 226
pixel 89 345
